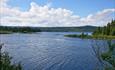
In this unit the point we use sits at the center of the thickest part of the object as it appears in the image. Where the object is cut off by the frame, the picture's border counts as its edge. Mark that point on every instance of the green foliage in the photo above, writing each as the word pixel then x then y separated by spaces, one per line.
pixel 106 30
pixel 5 62
pixel 109 56
pixel 105 58
pixel 82 35
pixel 4 29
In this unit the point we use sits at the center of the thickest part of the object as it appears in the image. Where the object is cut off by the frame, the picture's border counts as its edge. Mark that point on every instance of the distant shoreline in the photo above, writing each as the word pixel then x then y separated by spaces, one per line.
pixel 9 32
pixel 47 29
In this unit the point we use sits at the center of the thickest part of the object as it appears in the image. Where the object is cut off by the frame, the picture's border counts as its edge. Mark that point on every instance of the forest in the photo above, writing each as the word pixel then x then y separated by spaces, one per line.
pixel 105 32
pixel 5 29
pixel 108 30
pixel 12 29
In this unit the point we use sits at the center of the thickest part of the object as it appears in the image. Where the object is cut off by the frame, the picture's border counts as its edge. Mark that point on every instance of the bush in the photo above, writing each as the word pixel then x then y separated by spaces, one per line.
pixel 5 62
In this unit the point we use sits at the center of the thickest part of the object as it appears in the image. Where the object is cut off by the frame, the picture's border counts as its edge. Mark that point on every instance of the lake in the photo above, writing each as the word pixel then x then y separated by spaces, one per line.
pixel 50 51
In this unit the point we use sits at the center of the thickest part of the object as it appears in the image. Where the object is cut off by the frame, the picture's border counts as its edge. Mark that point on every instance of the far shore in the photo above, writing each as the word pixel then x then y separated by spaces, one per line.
pixel 5 32
pixel 10 32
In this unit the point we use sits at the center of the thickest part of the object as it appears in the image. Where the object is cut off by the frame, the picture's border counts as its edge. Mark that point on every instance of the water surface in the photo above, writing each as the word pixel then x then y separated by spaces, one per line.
pixel 50 51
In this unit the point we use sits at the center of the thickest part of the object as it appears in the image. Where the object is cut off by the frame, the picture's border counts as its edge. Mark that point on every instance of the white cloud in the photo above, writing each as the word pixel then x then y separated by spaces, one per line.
pixel 100 18
pixel 3 2
pixel 47 16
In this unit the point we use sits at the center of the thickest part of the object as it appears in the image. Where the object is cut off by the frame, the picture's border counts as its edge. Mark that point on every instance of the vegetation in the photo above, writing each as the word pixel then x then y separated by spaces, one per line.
pixel 5 62
pixel 11 29
pixel 7 30
pixel 82 35
pixel 106 32
pixel 109 56
pixel 106 58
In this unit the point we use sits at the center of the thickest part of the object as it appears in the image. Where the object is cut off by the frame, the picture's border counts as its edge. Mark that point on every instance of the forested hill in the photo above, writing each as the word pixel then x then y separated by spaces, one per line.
pixel 48 29
pixel 108 30
pixel 68 29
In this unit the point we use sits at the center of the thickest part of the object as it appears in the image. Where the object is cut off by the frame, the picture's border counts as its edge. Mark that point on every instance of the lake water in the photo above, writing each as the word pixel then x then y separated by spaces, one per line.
pixel 50 51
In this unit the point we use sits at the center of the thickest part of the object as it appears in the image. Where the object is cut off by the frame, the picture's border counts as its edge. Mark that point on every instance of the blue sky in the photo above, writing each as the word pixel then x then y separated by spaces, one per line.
pixel 80 7
pixel 56 13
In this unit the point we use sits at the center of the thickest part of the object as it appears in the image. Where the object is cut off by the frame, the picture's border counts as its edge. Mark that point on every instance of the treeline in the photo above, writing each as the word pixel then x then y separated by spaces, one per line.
pixel 48 29
pixel 68 29
pixel 108 30
pixel 18 29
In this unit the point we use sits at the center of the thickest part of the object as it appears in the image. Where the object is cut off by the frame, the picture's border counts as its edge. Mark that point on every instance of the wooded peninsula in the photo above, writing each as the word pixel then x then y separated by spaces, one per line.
pixel 106 32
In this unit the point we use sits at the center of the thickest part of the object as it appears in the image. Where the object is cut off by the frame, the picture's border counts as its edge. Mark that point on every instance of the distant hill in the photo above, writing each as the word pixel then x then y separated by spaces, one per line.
pixel 48 29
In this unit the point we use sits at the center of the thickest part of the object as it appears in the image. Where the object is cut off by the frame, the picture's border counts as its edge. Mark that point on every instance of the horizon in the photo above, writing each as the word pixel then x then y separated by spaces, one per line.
pixel 53 13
